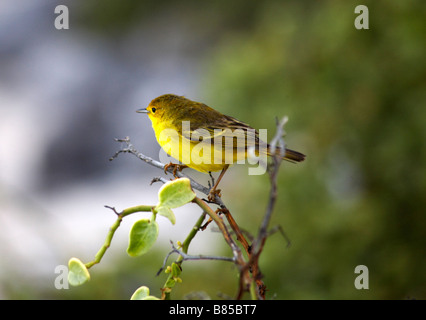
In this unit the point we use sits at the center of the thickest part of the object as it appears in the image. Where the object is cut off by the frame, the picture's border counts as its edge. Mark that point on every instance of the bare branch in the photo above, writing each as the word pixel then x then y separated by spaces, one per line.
pixel 158 179
pixel 273 173
pixel 186 256
pixel 282 232
pixel 131 149
pixel 113 210
pixel 258 244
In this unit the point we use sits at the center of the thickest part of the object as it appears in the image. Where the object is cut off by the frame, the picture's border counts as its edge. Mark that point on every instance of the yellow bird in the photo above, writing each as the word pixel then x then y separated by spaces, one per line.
pixel 203 138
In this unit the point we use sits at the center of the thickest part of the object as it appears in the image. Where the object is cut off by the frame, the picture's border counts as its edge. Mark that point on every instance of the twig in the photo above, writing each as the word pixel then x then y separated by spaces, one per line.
pixel 130 149
pixel 158 179
pixel 186 256
pixel 273 173
pixel 222 227
pixel 281 230
pixel 188 239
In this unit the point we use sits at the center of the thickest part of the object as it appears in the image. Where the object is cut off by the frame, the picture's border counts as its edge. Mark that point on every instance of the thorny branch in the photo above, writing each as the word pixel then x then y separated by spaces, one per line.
pixel 259 242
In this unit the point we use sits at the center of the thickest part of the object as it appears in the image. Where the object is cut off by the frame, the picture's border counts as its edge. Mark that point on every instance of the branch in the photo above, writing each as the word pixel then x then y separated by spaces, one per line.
pixel 187 241
pixel 184 256
pixel 273 174
pixel 259 242
pixel 130 149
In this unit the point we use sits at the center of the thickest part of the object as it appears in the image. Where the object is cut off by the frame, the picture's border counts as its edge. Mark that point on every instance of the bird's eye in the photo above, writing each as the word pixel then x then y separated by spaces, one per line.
pixel 153 109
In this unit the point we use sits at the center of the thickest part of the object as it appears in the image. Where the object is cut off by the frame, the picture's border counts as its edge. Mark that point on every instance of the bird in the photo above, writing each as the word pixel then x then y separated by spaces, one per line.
pixel 204 139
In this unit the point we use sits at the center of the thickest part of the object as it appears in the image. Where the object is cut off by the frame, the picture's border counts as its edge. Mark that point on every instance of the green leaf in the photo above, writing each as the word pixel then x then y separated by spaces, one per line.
pixel 176 270
pixel 142 237
pixel 175 193
pixel 142 293
pixel 77 272
pixel 166 212
pixel 151 298
pixel 174 276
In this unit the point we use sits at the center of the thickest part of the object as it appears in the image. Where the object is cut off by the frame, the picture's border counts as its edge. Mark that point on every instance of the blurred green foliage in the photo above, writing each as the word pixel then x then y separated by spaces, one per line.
pixel 356 102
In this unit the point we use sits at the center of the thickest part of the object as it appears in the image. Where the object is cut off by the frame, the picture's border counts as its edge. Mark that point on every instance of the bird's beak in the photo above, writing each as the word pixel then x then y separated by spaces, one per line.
pixel 144 110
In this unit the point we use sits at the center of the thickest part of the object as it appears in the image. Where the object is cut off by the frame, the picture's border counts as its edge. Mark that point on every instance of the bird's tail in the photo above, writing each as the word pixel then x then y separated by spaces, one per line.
pixel 293 156
pixel 290 155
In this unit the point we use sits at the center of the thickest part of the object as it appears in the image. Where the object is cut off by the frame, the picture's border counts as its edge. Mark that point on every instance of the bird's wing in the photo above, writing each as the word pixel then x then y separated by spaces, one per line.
pixel 232 132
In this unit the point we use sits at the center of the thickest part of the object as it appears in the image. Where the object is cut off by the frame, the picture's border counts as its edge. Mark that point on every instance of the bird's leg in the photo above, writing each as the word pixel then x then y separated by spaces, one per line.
pixel 175 168
pixel 211 176
pixel 213 191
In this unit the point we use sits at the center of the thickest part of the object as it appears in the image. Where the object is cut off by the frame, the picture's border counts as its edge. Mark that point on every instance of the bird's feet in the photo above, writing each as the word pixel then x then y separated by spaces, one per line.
pixel 213 193
pixel 175 168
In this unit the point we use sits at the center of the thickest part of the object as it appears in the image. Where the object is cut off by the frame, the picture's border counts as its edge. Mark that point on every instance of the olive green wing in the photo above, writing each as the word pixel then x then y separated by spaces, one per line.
pixel 224 130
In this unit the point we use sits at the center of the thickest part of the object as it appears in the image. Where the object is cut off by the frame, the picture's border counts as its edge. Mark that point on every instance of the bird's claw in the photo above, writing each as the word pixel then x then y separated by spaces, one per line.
pixel 213 193
pixel 175 168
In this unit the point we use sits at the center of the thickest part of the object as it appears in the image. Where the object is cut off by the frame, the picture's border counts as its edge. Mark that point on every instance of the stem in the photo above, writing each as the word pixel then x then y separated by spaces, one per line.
pixel 253 291
pixel 141 208
pixel 185 246
pixel 191 236
pixel 99 255
pixel 220 224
